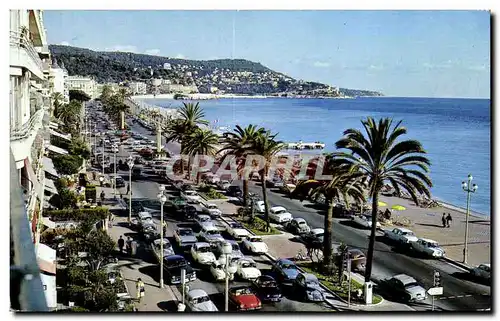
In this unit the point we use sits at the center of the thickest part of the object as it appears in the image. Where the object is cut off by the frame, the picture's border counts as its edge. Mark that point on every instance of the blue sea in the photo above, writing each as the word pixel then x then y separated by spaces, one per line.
pixel 455 132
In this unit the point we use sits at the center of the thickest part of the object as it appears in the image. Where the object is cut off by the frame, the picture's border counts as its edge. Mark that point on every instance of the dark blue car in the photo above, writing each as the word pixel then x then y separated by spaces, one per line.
pixel 285 270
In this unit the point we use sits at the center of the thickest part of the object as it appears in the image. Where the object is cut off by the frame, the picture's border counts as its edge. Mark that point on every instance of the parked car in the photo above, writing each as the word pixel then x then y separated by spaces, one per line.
pixel 211 178
pixel 223 185
pixel 211 209
pixel 184 237
pixel 306 286
pixel 482 271
pixel 259 206
pixel 149 233
pixel 202 253
pixel 120 182
pixel 274 182
pixel 255 245
pixel 173 265
pixel 210 234
pixel 401 235
pixel 280 215
pixel 218 271
pixel 237 231
pixel 247 269
pixel 243 298
pixel 285 270
pixel 236 252
pixel 314 237
pixel 197 300
pixel 267 288
pixel 167 247
pixel 191 196
pixel 203 220
pixel 427 247
pixel 188 212
pixel 358 260
pixel 234 191
pixel 298 225
pixel 364 220
pixel 403 287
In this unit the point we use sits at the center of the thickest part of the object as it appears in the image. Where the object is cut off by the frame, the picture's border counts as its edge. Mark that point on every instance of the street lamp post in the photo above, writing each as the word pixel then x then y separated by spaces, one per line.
pixel 115 147
pixel 227 250
pixel 130 163
pixel 162 198
pixel 469 188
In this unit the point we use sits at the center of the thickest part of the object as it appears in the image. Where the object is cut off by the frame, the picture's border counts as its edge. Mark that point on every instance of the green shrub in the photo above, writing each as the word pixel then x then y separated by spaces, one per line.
pixel 98 213
pixel 61 183
pixel 67 164
pixel 78 309
pixel 258 226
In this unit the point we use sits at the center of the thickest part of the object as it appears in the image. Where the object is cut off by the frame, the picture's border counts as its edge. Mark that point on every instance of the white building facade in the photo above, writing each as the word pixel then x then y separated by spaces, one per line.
pixel 137 88
pixel 59 79
pixel 86 84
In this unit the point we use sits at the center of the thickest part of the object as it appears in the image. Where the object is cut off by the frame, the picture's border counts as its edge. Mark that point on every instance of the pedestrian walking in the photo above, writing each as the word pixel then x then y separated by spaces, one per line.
pixel 121 243
pixel 128 188
pixel 443 219
pixel 102 196
pixel 140 289
pixel 94 175
pixel 164 228
pixel 448 219
pixel 129 245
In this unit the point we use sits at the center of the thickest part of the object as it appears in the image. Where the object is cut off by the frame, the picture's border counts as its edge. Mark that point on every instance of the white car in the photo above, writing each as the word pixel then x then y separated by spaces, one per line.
pixel 167 248
pixel 246 269
pixel 235 251
pixel 237 231
pixel 482 271
pixel 280 215
pixel 210 234
pixel 428 247
pixel 211 209
pixel 191 196
pixel 364 221
pixel 198 300
pixel 202 253
pixel 401 235
pixel 211 178
pixel 254 244
pixel 218 271
pixel 259 206
pixel 203 220
pixel 223 185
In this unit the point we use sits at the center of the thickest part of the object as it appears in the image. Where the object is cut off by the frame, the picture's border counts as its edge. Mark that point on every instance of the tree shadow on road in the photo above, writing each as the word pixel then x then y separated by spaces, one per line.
pixel 430 225
pixel 353 224
pixel 469 277
pixel 152 271
pixel 168 306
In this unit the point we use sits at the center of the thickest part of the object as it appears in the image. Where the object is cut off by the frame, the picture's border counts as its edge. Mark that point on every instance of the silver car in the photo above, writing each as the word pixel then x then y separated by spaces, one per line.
pixel 404 287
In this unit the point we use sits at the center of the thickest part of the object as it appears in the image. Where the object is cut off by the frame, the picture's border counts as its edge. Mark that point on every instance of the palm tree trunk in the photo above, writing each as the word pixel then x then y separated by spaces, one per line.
pixel 371 244
pixel 189 167
pixel 264 195
pixel 182 162
pixel 122 120
pixel 245 191
pixel 327 240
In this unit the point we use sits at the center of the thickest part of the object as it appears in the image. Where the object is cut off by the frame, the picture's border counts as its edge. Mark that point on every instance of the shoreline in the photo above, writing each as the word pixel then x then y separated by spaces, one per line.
pixel 170 111
pixel 202 96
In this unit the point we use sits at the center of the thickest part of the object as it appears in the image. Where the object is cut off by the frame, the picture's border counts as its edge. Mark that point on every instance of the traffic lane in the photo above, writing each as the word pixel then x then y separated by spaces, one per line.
pixel 172 147
pixel 205 281
pixel 386 262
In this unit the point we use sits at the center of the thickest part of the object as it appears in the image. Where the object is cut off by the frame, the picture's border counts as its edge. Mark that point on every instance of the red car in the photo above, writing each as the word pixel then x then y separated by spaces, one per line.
pixel 244 298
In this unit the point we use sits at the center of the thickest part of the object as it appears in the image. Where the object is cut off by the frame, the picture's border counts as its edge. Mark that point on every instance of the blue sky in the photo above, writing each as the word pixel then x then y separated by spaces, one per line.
pixel 400 53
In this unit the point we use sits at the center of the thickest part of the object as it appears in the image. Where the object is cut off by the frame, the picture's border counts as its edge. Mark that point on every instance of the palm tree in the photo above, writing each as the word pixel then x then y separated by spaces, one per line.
pixel 191 115
pixel 345 184
pixel 122 95
pixel 57 98
pixel 267 147
pixel 239 144
pixel 200 142
pixel 383 160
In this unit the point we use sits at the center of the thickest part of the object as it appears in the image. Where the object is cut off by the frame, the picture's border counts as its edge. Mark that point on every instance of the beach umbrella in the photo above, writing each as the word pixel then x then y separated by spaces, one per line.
pixel 398 207
pixel 381 204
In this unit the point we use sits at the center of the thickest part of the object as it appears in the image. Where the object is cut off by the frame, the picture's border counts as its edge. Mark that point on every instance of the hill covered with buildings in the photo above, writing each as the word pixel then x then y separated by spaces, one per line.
pixel 155 74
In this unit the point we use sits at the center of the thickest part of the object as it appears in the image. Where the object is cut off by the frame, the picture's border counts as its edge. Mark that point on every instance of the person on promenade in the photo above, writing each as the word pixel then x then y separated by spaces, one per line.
pixel 448 219
pixel 121 243
pixel 128 189
pixel 164 227
pixel 129 245
pixel 140 289
pixel 443 219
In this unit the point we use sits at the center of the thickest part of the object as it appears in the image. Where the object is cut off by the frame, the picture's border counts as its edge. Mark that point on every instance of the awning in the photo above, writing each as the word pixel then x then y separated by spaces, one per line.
pixel 50 186
pixel 48 223
pixel 46 258
pixel 56 149
pixel 53 132
pixel 48 166
pixel 53 125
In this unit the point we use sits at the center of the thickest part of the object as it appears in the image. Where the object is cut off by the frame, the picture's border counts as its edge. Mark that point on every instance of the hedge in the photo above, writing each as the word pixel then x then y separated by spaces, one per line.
pixel 97 214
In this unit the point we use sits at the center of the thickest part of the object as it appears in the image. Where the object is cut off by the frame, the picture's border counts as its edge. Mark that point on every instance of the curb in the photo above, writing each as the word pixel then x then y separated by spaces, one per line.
pixel 456 263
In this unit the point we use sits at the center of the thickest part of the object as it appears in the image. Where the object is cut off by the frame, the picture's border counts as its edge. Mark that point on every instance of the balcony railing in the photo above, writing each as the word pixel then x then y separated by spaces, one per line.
pixel 26 288
pixel 20 40
pixel 33 124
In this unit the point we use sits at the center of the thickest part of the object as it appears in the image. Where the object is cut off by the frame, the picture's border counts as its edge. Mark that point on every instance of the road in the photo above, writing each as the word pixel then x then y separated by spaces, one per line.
pixel 459 292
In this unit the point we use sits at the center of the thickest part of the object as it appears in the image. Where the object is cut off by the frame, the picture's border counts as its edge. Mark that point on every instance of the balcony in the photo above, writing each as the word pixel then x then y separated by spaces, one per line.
pixel 24 55
pixel 22 138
